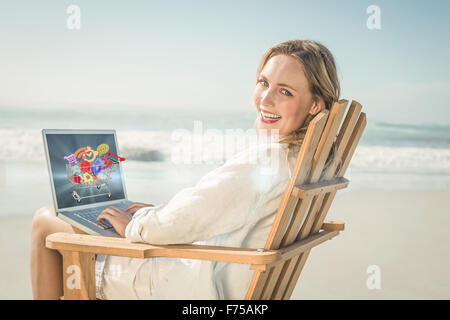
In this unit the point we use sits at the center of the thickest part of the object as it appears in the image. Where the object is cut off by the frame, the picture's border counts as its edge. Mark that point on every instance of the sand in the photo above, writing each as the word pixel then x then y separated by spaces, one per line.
pixel 404 233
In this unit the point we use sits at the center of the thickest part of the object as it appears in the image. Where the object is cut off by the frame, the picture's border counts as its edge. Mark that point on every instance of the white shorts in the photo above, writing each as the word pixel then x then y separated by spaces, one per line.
pixel 153 278
pixel 122 278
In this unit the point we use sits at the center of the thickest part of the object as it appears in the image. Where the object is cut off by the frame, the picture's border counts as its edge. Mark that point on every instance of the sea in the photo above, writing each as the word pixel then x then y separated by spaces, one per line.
pixel 155 142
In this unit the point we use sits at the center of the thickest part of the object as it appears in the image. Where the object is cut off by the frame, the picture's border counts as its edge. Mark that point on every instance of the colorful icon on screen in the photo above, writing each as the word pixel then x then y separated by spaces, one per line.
pixel 102 149
pixel 97 167
pixel 71 159
pixel 86 154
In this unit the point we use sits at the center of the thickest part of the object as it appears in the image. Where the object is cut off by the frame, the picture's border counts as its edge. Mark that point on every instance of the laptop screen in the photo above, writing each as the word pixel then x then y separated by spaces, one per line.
pixel 85 168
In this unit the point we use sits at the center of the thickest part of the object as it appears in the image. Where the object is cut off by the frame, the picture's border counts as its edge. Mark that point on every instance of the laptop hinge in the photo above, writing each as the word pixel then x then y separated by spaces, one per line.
pixel 92 205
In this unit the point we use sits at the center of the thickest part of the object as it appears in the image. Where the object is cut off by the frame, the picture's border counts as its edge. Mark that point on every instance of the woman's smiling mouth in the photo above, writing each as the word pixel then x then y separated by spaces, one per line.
pixel 267 117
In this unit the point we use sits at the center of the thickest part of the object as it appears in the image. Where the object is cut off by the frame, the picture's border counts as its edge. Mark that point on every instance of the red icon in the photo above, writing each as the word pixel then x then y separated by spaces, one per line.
pixel 85 166
pixel 120 158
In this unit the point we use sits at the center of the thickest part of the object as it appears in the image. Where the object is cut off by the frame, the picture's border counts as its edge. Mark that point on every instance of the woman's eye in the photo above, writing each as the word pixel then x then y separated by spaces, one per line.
pixel 266 84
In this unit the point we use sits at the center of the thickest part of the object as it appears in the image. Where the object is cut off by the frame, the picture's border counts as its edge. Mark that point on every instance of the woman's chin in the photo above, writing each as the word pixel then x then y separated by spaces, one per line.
pixel 267 130
pixel 262 128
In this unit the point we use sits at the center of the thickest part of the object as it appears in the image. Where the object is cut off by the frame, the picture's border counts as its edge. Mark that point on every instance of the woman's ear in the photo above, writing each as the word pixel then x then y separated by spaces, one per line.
pixel 317 106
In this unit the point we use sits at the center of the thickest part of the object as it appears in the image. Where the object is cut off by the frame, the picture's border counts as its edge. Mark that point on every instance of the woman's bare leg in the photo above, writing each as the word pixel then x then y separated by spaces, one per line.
pixel 46 264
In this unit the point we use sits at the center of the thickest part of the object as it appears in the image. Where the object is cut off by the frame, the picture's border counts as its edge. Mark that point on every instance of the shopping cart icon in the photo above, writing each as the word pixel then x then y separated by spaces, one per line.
pixel 90 170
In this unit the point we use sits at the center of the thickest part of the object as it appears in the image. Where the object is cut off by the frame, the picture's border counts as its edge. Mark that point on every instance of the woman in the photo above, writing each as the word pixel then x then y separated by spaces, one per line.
pixel 233 205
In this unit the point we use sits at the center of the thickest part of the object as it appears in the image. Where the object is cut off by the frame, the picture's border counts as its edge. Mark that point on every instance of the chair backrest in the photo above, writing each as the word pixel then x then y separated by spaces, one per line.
pixel 298 217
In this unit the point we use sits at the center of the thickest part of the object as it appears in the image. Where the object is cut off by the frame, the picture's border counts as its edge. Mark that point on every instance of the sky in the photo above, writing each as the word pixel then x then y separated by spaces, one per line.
pixel 204 54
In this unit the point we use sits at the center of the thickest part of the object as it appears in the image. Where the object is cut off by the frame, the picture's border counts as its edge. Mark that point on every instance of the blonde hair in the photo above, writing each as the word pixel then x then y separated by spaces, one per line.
pixel 320 71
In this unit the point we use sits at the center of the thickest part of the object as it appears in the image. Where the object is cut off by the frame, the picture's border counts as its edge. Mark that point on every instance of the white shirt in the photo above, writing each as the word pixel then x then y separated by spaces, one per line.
pixel 234 205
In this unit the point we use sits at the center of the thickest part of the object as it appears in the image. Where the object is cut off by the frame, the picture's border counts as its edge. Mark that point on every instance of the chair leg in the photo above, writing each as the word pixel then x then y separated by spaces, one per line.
pixel 78 275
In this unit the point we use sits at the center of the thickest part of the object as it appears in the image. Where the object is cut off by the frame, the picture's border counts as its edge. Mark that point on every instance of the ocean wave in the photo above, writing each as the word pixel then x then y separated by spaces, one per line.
pixel 402 159
pixel 407 135
pixel 414 127
pixel 21 144
pixel 149 146
pixel 143 154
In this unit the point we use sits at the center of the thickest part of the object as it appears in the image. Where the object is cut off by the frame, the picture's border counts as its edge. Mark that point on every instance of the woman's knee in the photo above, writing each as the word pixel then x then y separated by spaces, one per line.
pixel 45 222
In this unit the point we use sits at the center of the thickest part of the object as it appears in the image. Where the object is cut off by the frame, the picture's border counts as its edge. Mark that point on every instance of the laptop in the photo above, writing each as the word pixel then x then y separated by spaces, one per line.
pixel 86 177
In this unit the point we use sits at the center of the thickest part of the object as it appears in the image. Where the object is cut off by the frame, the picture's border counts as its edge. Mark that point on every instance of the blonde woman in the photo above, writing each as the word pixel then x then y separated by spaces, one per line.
pixel 233 205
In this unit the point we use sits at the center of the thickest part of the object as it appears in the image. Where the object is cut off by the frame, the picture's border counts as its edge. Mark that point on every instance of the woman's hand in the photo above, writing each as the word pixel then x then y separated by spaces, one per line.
pixel 131 209
pixel 119 219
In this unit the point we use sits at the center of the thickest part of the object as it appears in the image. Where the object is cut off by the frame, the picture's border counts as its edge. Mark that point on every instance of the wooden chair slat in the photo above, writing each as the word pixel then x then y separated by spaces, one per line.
pixel 298 262
pixel 288 238
pixel 346 134
pixel 326 142
pixel 341 142
pixel 308 148
pixel 298 218
pixel 300 172
pixel 258 280
pixel 350 142
pixel 286 270
pixel 299 175
pixel 321 154
pixel 347 155
pixel 343 137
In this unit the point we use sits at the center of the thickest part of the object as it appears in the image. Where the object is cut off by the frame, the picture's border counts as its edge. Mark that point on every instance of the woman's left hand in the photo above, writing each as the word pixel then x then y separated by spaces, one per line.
pixel 119 219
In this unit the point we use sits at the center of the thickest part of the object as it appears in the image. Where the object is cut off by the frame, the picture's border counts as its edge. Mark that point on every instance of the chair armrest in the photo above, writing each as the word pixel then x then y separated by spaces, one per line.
pixel 297 248
pixel 329 225
pixel 124 248
pixel 307 190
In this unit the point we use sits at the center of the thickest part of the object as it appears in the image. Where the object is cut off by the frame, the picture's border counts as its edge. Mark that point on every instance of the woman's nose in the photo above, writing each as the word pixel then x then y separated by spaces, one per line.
pixel 267 98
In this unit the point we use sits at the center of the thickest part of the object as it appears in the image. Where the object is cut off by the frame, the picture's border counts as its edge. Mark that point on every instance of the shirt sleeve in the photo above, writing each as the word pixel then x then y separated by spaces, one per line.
pixel 218 204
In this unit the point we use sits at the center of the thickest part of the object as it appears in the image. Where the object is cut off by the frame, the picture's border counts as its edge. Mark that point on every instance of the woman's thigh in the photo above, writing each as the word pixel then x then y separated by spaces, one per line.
pixel 46 222
pixel 45 219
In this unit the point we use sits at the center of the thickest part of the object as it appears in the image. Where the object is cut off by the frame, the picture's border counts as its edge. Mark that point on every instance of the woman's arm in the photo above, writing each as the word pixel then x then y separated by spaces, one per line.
pixel 220 203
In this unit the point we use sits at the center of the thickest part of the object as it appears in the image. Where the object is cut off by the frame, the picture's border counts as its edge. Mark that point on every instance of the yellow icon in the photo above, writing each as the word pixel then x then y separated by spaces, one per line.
pixel 102 149
pixel 87 178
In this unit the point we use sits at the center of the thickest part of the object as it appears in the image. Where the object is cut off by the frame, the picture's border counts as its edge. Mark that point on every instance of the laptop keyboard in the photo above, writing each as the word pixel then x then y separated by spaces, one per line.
pixel 91 214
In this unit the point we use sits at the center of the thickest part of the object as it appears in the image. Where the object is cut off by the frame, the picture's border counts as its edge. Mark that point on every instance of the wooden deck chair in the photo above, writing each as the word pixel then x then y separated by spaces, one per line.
pixel 299 224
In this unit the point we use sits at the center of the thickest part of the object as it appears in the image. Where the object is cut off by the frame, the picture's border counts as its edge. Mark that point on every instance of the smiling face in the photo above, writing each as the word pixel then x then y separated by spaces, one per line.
pixel 282 96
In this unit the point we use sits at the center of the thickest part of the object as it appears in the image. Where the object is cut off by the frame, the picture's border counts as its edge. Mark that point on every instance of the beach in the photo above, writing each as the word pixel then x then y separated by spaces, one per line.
pixel 403 232
pixel 396 208
pixel 185 86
